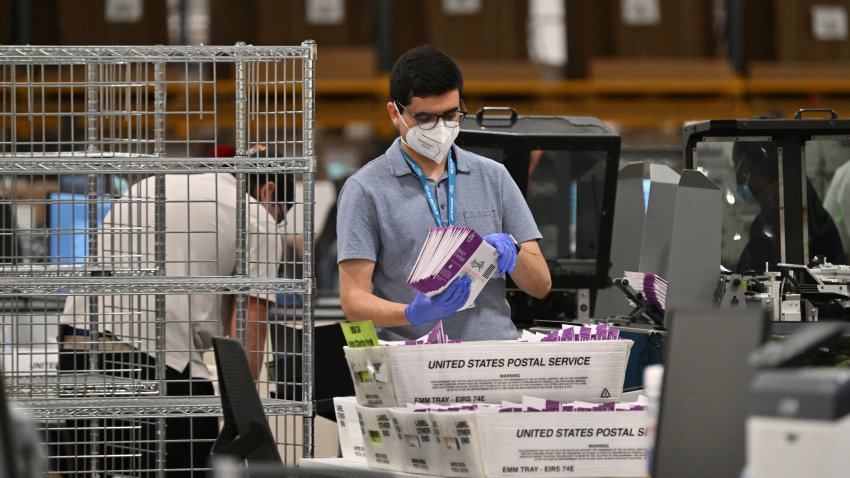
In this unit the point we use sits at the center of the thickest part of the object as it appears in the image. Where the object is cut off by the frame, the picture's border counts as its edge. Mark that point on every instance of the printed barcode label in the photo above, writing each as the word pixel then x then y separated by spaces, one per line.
pixel 489 271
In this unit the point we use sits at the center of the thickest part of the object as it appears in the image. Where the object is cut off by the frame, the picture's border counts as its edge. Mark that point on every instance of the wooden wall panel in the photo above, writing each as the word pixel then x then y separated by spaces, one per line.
pixel 83 22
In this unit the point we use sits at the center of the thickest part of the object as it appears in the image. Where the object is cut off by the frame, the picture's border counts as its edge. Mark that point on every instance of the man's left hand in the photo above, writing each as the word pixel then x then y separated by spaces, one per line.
pixel 506 247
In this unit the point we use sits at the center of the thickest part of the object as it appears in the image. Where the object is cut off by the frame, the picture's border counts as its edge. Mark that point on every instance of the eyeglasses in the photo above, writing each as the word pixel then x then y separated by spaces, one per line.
pixel 426 121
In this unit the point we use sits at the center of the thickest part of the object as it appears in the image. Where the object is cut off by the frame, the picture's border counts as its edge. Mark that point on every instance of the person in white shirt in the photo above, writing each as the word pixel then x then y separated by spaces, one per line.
pixel 200 241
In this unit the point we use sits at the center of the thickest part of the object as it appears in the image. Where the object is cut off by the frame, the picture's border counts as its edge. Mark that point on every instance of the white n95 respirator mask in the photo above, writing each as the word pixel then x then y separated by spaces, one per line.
pixel 434 143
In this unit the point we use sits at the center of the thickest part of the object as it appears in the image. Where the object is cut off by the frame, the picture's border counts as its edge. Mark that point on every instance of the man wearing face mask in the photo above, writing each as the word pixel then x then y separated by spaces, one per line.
pixel 386 208
pixel 757 178
pixel 200 224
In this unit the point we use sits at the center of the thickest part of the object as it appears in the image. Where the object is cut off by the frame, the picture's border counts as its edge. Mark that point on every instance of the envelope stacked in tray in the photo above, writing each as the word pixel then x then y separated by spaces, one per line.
pixel 545 405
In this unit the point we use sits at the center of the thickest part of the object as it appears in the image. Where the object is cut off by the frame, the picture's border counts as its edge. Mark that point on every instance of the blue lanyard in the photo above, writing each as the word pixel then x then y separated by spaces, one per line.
pixel 429 195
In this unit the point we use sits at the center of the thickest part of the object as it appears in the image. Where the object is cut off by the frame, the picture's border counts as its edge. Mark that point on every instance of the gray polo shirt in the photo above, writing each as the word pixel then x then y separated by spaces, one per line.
pixel 384 217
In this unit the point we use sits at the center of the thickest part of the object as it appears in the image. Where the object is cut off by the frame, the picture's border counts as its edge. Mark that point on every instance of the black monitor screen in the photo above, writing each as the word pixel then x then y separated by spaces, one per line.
pixel 564 193
pixel 567 171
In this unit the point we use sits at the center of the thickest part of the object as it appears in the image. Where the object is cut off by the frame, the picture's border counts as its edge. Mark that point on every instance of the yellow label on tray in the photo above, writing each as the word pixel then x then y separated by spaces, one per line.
pixel 360 334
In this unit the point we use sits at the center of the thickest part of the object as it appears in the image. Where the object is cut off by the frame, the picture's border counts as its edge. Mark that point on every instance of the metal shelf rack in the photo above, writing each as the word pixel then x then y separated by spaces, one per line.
pixel 80 129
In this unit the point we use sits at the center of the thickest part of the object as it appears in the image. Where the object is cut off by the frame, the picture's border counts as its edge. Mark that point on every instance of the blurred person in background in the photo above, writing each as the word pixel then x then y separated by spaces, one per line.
pixel 200 241
pixel 757 176
pixel 327 271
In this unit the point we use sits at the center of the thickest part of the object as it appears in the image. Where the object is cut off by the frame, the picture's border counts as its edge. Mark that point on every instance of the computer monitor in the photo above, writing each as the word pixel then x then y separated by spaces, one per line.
pixel 68 225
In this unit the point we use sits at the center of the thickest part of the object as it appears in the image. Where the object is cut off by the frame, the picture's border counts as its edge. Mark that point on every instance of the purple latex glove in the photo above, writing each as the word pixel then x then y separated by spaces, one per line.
pixel 426 309
pixel 506 247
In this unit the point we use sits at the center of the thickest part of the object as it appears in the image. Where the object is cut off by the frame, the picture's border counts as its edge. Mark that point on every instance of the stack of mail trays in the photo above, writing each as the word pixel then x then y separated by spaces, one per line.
pixel 542 406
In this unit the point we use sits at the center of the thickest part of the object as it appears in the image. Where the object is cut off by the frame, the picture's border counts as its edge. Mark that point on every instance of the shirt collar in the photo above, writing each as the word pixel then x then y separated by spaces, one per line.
pixel 399 167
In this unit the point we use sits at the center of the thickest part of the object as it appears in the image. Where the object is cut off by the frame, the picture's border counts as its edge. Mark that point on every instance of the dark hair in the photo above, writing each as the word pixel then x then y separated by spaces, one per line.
pixel 284 186
pixel 424 71
pixel 284 183
pixel 762 157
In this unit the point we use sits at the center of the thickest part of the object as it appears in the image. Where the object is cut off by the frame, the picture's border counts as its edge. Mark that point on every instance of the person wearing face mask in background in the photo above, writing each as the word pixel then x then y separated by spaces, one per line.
pixel 200 221
pixel 386 208
pixel 757 178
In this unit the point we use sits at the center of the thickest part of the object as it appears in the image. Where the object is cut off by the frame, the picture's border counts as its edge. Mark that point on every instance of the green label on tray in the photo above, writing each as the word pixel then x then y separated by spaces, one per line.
pixel 360 334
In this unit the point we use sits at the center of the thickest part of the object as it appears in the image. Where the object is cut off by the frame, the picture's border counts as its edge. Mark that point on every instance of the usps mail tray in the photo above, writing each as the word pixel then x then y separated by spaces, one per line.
pixel 489 372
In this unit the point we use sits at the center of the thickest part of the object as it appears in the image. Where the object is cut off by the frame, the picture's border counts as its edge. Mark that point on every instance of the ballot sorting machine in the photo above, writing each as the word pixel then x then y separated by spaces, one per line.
pixel 79 126
pixel 786 233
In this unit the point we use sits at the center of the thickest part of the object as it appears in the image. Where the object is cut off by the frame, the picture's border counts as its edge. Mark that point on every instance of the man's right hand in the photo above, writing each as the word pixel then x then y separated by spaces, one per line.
pixel 426 309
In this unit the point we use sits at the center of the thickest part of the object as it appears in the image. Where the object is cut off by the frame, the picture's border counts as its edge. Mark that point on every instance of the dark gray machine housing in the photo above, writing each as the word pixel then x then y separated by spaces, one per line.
pixel 804 393
pixel 581 156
